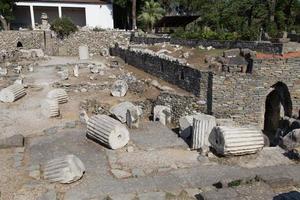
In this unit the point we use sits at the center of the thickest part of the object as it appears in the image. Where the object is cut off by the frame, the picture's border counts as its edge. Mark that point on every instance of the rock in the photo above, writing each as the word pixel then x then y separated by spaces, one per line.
pixel 202 127
pixel 19 81
pixel 50 195
pixel 83 90
pixel 248 53
pixel 66 169
pixel 3 71
pixel 209 59
pixel 70 124
pixel 130 149
pixel 162 114
pixel 186 55
pixel 76 71
pixel 114 64
pixel 108 131
pixel 11 142
pixel 236 141
pixel 83 116
pixel 12 93
pixel 104 52
pixel 231 53
pixel 132 118
pixel 18 69
pixel 60 95
pixel 120 110
pixel 291 140
pixel 152 196
pixel 83 52
pixel 119 88
pixel 95 69
pixel 209 48
pixel 64 74
pixel 50 108
pixel 216 66
pixel 155 83
pixel 30 68
pixel 35 172
pixel 120 174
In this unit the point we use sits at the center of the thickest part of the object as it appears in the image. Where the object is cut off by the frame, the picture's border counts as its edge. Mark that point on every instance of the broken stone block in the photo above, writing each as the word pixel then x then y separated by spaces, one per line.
pixel 83 52
pixel 35 172
pixel 19 81
pixel 236 141
pixel 202 127
pixel 60 95
pixel 12 93
pixel 291 140
pixel 83 116
pixel 64 74
pixel 30 68
pixel 162 114
pixel 120 110
pixel 186 126
pixel 132 118
pixel 120 174
pixel 50 108
pixel 13 141
pixel 231 53
pixel 108 131
pixel 119 88
pixel 66 169
pixel 104 52
pixel 3 71
pixel 76 71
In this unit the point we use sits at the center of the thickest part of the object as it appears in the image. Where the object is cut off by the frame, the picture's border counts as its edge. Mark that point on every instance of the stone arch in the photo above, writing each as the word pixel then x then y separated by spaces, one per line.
pixel 19 44
pixel 277 104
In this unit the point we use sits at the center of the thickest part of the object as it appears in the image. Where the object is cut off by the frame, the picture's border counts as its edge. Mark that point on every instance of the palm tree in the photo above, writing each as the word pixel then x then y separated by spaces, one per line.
pixel 151 12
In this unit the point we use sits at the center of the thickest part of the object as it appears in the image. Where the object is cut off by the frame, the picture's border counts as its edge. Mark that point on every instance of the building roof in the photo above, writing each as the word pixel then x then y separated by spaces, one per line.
pixel 71 1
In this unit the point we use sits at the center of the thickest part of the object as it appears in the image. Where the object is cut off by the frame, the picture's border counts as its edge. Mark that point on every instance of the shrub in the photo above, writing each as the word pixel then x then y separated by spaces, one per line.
pixel 63 27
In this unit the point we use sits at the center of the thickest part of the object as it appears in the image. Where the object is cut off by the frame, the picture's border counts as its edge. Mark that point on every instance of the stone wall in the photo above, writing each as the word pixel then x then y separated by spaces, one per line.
pixel 96 41
pixel 190 79
pixel 275 48
pixel 29 39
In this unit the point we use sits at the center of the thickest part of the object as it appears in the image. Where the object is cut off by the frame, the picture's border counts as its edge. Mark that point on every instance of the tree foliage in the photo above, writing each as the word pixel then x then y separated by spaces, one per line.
pixel 63 27
pixel 6 14
pixel 151 12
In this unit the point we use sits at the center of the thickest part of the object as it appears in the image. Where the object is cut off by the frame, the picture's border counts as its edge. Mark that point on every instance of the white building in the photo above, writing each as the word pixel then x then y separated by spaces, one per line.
pixel 92 13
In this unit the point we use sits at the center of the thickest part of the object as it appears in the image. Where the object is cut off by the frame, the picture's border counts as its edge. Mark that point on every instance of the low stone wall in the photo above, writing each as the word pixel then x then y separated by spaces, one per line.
pixel 275 48
pixel 192 80
pixel 29 39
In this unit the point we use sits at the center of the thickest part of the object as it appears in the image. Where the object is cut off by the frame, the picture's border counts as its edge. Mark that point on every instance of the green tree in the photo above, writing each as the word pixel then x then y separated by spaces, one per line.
pixel 6 14
pixel 151 12
pixel 63 27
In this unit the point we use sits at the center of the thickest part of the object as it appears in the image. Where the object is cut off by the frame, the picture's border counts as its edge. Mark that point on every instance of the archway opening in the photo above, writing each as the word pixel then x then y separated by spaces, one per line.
pixel 19 44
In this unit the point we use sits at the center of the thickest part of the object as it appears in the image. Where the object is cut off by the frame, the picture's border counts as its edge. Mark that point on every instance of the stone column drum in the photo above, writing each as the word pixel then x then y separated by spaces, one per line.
pixel 50 108
pixel 202 127
pixel 108 131
pixel 12 93
pixel 66 169
pixel 236 141
pixel 58 94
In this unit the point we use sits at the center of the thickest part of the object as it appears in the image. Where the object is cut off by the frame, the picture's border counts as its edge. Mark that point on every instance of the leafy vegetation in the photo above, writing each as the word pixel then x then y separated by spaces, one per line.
pixel 6 14
pixel 151 12
pixel 63 27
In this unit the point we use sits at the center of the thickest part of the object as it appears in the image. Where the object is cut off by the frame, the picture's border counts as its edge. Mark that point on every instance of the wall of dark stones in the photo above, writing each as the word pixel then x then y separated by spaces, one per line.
pixel 190 79
pixel 275 48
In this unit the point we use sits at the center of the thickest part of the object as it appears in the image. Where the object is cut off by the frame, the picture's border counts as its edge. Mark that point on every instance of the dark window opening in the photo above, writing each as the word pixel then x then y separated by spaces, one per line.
pixel 19 44
pixel 181 77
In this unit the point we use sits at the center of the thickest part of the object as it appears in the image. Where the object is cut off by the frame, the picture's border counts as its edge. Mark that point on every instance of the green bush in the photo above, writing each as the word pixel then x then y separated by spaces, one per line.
pixel 63 27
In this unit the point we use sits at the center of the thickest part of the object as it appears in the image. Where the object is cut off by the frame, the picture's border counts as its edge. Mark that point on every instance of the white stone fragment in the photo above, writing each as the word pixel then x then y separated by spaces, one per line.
pixel 66 169
pixel 50 108
pixel 83 52
pixel 132 118
pixel 60 95
pixel 76 71
pixel 119 88
pixel 186 125
pixel 3 71
pixel 30 68
pixel 236 141
pixel 202 127
pixel 12 93
pixel 18 69
pixel 108 131
pixel 162 114
pixel 19 81
pixel 120 110
pixel 64 74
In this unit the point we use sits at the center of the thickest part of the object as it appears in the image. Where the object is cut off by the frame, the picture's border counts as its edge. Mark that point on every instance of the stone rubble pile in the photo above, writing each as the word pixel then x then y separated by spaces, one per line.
pixel 108 131
pixel 66 169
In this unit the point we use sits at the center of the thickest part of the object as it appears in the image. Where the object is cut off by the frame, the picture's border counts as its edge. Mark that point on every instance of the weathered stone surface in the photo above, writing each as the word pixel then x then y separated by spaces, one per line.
pixel 186 126
pixel 231 53
pixel 64 74
pixel 83 52
pixel 50 108
pixel 202 127
pixel 13 141
pixel 50 195
pixel 76 71
pixel 236 141
pixel 12 93
pixel 120 110
pixel 3 71
pixel 162 114
pixel 60 95
pixel 119 88
pixel 66 169
pixel 292 139
pixel 107 131
pixel 132 118
pixel 152 195
pixel 120 173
